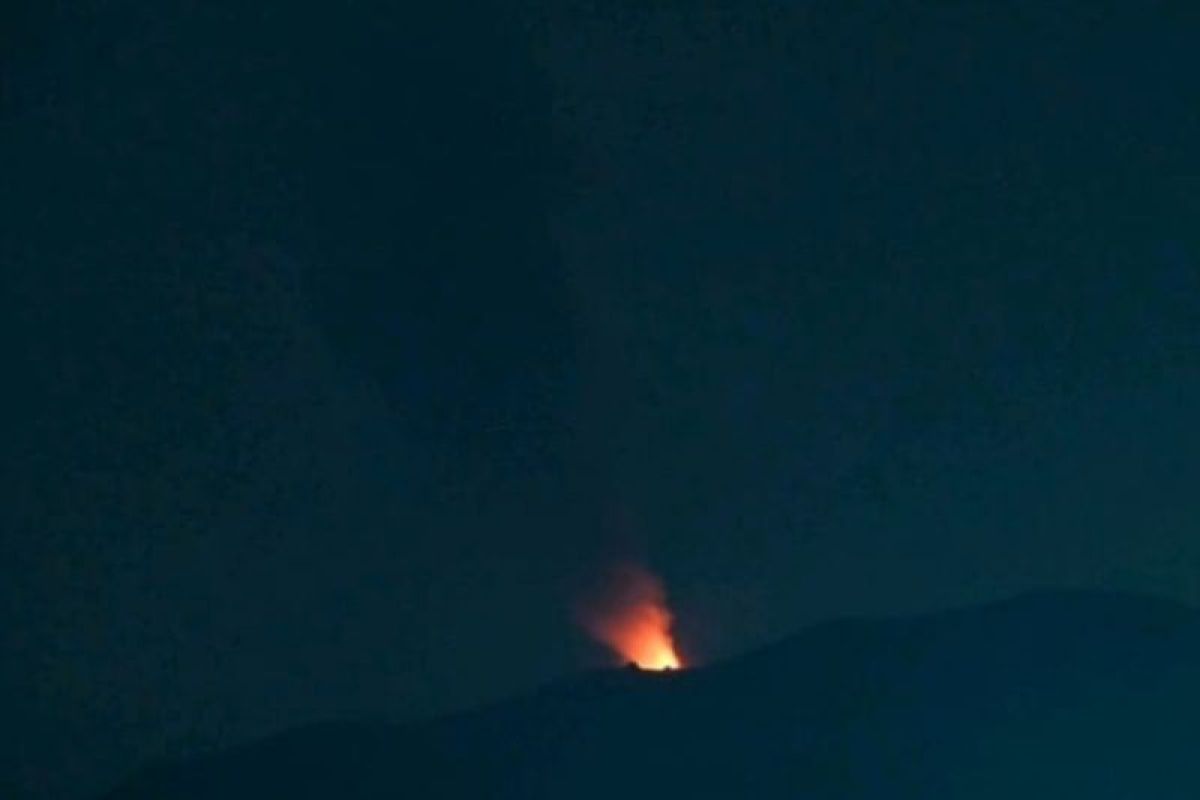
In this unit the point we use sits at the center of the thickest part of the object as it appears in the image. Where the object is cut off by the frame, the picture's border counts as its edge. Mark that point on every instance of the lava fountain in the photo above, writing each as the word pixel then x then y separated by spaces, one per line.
pixel 630 616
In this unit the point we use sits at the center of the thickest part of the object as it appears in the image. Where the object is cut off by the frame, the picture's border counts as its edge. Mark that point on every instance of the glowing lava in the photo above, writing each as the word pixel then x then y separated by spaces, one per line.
pixel 631 617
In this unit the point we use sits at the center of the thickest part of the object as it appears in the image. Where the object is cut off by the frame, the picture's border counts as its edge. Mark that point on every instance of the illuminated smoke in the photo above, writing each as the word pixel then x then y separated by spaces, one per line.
pixel 630 616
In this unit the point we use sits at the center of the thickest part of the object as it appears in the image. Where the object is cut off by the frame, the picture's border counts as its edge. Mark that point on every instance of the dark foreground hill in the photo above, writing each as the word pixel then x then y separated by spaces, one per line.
pixel 1045 696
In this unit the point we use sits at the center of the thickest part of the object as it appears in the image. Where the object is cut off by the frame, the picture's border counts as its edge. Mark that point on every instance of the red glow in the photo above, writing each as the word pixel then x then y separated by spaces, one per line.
pixel 631 617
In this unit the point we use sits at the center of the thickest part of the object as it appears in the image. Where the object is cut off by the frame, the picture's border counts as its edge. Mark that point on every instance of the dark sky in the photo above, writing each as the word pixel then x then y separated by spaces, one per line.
pixel 348 341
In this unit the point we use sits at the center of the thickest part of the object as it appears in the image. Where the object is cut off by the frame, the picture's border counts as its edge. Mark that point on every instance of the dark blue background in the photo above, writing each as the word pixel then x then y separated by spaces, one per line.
pixel 348 341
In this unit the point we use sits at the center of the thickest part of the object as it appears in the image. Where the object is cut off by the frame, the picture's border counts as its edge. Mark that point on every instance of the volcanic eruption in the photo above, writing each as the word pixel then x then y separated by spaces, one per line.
pixel 629 615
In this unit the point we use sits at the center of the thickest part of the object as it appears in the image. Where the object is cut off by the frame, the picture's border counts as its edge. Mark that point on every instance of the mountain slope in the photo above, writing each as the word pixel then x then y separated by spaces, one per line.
pixel 1050 695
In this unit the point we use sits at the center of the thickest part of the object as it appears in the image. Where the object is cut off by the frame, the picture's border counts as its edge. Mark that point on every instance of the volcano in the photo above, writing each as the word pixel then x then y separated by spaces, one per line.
pixel 1048 695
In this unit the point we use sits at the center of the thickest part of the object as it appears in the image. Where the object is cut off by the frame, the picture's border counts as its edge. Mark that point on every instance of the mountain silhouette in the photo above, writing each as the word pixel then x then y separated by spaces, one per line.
pixel 1046 695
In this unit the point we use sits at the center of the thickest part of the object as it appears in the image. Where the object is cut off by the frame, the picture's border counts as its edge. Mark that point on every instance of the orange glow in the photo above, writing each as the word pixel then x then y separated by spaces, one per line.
pixel 631 617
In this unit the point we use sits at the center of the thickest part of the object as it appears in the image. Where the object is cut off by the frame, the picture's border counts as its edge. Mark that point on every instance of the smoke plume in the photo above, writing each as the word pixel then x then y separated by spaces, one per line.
pixel 629 615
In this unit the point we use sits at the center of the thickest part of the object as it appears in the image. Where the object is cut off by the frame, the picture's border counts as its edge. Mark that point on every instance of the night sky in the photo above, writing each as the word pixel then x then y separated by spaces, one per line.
pixel 349 343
